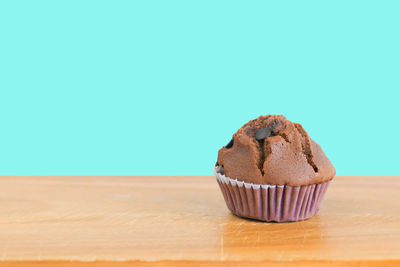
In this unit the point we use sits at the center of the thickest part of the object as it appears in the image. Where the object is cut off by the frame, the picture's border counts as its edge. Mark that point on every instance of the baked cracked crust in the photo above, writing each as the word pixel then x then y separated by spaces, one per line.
pixel 274 150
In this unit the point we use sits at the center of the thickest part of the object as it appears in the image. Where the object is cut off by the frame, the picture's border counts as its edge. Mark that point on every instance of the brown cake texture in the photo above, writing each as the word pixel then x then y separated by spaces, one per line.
pixel 273 150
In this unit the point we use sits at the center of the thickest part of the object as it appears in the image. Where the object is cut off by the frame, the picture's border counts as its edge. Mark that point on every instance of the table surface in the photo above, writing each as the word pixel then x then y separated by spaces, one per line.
pixel 174 221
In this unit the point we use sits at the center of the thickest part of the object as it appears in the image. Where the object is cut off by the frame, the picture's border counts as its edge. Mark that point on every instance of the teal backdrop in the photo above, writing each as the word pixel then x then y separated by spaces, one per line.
pixel 157 87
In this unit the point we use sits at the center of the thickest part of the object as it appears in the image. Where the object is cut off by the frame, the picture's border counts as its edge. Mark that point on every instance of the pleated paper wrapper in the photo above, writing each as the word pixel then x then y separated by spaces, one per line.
pixel 271 203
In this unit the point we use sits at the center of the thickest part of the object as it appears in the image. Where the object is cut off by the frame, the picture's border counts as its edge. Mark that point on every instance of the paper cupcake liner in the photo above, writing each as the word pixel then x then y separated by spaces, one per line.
pixel 279 203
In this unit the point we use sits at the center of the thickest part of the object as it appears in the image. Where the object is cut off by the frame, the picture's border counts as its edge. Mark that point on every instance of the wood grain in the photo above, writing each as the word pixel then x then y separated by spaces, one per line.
pixel 175 221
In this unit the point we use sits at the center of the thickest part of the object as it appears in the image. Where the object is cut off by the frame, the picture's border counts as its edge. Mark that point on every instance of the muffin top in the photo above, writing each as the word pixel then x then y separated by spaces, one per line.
pixel 274 150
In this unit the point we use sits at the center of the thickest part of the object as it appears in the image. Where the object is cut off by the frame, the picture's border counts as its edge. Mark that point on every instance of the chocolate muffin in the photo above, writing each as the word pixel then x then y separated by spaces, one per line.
pixel 272 170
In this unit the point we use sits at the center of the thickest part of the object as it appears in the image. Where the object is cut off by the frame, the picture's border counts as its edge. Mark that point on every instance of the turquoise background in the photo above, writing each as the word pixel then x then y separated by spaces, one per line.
pixel 157 87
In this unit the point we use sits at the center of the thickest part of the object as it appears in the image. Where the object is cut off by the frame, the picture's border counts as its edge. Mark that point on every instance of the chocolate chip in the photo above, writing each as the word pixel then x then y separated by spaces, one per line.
pixel 221 169
pixel 274 123
pixel 230 144
pixel 263 133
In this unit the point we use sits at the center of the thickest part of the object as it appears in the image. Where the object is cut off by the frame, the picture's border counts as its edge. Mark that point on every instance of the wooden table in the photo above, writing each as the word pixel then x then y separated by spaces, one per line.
pixel 176 221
